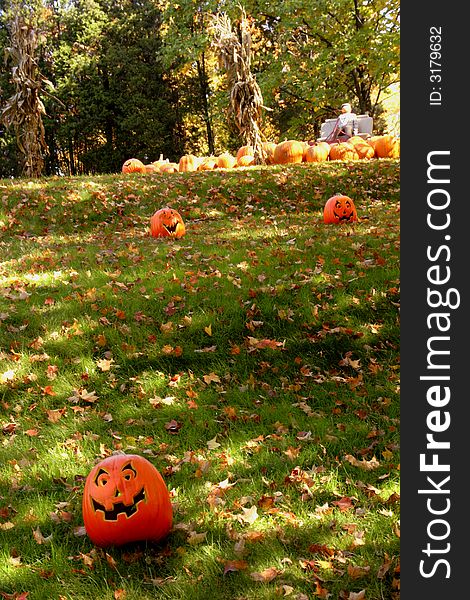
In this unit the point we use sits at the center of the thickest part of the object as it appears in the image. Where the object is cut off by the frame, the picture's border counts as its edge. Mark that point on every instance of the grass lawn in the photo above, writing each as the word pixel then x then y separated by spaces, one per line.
pixel 254 362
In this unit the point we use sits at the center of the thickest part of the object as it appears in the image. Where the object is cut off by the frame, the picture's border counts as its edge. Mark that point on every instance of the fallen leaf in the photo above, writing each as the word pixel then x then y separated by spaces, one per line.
pixel 265 576
pixel 211 378
pixel 212 444
pixel 366 465
pixel 355 572
pixel 249 515
pixel 39 538
pixel 235 565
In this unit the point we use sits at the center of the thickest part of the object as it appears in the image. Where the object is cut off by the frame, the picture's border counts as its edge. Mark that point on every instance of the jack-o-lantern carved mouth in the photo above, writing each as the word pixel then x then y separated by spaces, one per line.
pixel 120 508
pixel 343 217
pixel 171 228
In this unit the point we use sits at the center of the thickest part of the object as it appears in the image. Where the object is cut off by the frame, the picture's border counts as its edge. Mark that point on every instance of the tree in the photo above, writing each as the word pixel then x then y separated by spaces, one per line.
pixel 326 53
pixel 186 55
pixel 24 110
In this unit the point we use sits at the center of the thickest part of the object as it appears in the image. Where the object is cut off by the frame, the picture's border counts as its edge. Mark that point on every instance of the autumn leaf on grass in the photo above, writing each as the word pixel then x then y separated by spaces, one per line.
pixel 343 504
pixel 53 415
pixel 104 364
pixel 357 595
pixel 256 344
pixel 292 453
pixel 166 328
pixel 208 330
pixel 234 565
pixel 356 572
pixel 366 465
pixel 40 539
pixel 249 515
pixel 83 394
pixel 206 349
pixel 384 568
pixel 173 426
pixel 347 361
pixel 196 538
pixel 213 444
pixel 265 576
pixel 211 378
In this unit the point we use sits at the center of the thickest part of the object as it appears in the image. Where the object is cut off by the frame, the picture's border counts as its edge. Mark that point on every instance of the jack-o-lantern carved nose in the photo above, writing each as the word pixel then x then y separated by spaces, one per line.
pixel 117 493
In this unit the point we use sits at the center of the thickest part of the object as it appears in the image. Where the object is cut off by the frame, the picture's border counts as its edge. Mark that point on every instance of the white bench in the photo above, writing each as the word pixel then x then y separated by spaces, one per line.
pixel 364 125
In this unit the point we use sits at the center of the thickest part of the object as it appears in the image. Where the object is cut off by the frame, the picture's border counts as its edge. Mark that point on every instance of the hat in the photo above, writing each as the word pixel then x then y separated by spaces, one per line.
pixel 345 104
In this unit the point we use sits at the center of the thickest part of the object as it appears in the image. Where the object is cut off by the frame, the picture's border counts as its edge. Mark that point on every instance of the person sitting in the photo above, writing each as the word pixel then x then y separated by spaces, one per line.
pixel 346 125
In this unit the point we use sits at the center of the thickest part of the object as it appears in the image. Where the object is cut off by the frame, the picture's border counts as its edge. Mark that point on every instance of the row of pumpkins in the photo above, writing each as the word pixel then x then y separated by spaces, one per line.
pixel 289 151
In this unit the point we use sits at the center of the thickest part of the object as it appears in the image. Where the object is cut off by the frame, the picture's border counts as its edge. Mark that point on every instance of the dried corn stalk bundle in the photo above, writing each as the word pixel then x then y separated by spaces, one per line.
pixel 24 109
pixel 246 100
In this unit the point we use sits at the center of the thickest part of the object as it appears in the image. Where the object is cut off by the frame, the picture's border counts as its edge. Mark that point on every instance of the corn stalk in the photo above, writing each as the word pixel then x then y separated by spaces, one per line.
pixel 246 100
pixel 23 111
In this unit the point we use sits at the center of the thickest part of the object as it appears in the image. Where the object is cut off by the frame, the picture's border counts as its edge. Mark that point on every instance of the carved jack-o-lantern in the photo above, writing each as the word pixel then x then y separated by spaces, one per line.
pixel 126 500
pixel 339 209
pixel 167 222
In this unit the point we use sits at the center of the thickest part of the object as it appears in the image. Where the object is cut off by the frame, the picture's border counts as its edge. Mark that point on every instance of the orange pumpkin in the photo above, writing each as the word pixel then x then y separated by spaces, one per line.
pixel 363 149
pixel 188 163
pixel 167 222
pixel 339 209
pixel 387 146
pixel 169 167
pixel 151 168
pixel 226 161
pixel 289 151
pixel 133 165
pixel 317 153
pixel 245 151
pixel 125 500
pixel 246 160
pixel 208 163
pixel 343 151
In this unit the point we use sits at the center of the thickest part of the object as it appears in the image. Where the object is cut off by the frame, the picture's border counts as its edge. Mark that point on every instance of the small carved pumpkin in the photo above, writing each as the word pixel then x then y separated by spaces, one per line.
pixel 125 500
pixel 339 209
pixel 167 222
pixel 133 165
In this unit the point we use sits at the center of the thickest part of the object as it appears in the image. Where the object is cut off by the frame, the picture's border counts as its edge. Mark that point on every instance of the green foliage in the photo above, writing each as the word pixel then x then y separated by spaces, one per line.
pixel 141 79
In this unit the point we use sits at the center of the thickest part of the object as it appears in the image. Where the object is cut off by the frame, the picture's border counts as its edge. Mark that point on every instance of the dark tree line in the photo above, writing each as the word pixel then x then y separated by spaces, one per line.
pixel 140 78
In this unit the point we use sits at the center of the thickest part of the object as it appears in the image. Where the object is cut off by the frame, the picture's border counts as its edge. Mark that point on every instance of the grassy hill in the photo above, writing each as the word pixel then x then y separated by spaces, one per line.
pixel 254 362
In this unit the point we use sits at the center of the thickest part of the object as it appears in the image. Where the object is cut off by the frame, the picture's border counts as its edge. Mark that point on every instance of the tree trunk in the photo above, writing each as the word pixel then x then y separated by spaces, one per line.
pixel 204 89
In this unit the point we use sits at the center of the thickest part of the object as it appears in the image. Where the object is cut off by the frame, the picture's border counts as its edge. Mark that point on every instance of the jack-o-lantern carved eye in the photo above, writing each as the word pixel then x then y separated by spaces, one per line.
pixel 339 209
pixel 102 478
pixel 128 472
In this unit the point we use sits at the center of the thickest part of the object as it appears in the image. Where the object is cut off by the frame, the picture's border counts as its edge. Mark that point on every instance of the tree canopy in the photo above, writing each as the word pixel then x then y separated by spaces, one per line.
pixel 143 78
